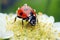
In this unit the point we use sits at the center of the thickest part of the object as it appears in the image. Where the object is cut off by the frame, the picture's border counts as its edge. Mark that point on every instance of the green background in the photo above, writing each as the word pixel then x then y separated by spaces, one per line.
pixel 49 7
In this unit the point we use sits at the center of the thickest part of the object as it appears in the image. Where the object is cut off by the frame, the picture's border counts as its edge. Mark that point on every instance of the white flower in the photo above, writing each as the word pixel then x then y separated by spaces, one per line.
pixel 50 20
pixel 56 29
pixel 56 26
pixel 45 19
pixel 42 18
pixel 3 32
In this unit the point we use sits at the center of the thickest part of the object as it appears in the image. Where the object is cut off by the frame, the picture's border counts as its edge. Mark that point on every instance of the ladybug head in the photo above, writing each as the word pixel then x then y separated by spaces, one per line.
pixel 32 19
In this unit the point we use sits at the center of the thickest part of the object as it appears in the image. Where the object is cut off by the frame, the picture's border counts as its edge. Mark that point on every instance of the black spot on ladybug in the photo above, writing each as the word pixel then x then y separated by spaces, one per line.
pixel 21 13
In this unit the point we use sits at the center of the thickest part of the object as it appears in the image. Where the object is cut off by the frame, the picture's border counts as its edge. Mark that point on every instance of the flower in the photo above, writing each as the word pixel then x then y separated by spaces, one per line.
pixel 46 28
pixel 4 33
pixel 45 19
pixel 56 30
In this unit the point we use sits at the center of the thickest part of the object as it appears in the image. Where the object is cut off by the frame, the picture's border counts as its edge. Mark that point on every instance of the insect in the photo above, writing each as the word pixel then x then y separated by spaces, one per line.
pixel 26 13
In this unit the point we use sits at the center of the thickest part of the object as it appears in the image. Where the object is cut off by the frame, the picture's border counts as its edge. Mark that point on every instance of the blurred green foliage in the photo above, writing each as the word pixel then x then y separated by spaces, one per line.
pixel 50 7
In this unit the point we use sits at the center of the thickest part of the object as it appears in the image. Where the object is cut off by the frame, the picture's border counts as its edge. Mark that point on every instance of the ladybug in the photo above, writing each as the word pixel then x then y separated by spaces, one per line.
pixel 26 13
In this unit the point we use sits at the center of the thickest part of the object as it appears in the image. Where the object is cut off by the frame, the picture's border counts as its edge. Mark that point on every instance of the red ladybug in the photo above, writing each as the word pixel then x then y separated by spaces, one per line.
pixel 27 13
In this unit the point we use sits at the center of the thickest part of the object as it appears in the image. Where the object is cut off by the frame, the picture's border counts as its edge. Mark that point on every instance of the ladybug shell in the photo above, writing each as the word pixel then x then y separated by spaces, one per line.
pixel 25 11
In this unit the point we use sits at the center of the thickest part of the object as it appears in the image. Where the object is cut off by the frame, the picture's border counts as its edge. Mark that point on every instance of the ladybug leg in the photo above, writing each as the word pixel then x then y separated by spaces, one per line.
pixel 15 19
pixel 37 21
pixel 22 23
pixel 27 19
